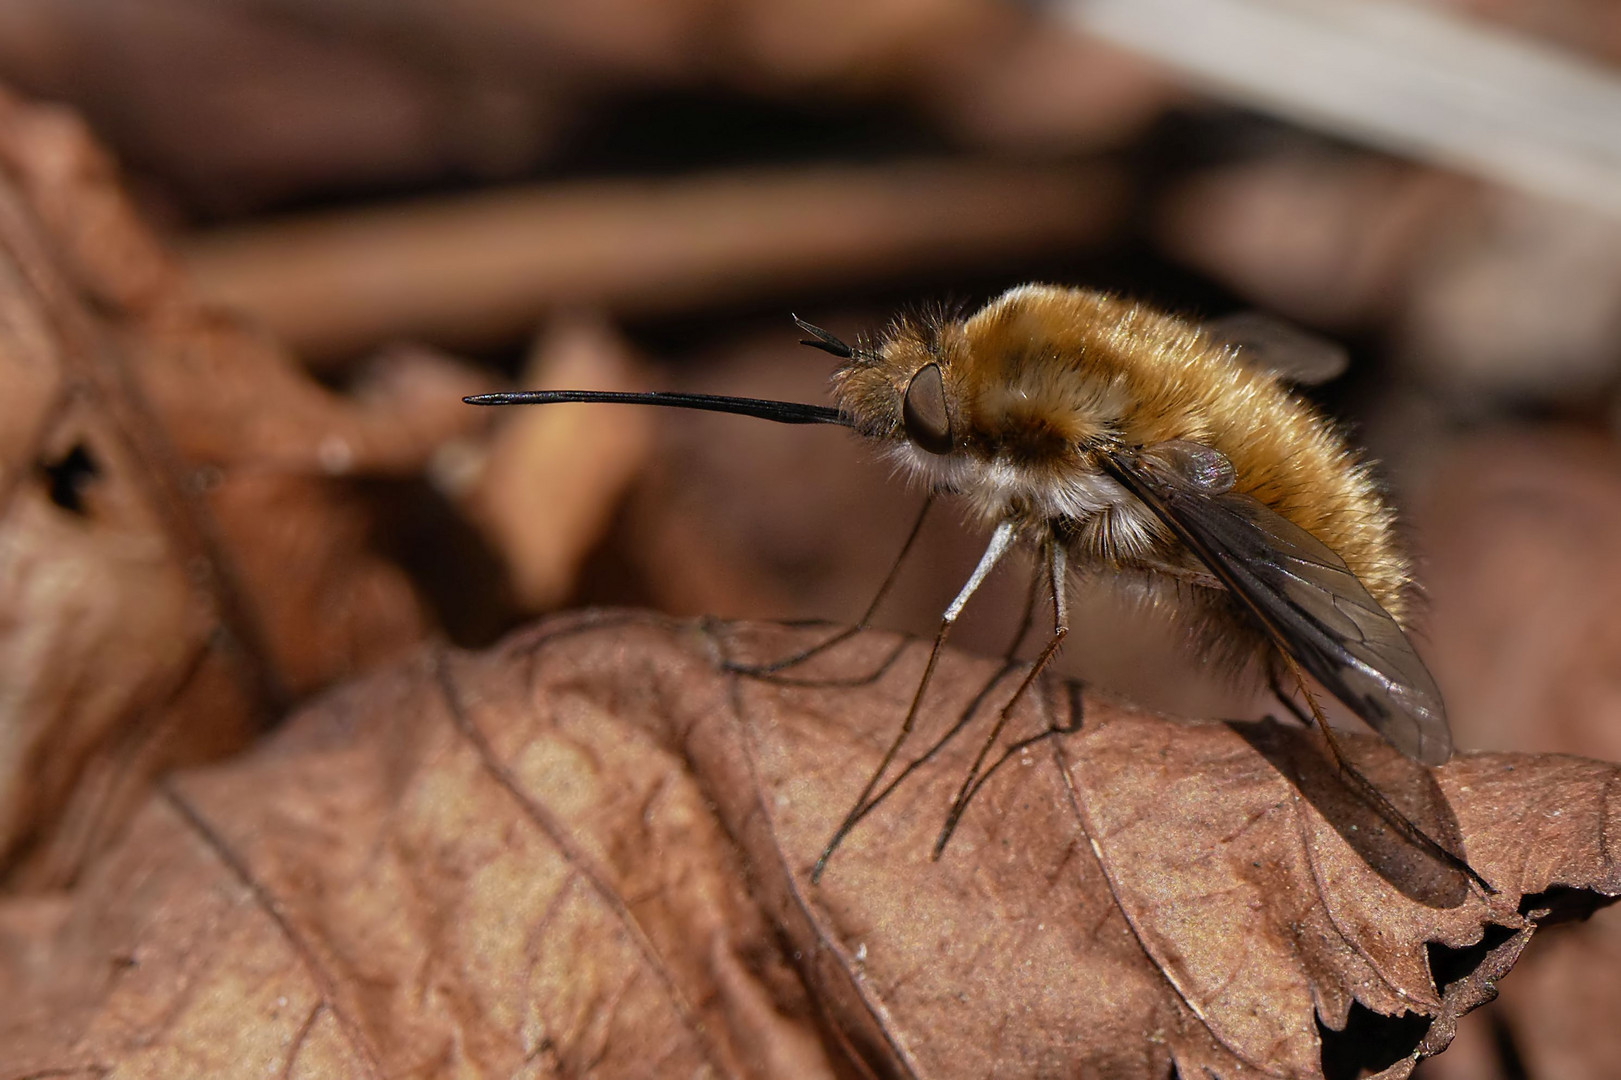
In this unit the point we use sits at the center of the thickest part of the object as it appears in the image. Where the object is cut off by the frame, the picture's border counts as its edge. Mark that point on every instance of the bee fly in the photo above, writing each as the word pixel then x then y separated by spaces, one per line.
pixel 1170 458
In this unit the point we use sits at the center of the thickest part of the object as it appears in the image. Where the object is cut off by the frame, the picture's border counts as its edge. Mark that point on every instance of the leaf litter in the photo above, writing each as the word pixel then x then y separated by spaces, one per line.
pixel 588 851
pixel 1534 512
pixel 161 466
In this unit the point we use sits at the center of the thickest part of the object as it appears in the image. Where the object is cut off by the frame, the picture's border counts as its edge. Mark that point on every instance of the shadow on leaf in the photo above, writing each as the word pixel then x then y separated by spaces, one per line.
pixel 1395 857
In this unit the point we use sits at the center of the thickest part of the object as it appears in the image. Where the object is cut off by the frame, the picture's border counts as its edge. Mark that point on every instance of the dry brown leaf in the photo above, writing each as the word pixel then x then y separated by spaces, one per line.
pixel 1520 526
pixel 174 564
pixel 587 851
pixel 550 480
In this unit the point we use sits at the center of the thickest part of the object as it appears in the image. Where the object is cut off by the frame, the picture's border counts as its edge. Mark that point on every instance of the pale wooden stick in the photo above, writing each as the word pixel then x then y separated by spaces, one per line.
pixel 1415 79
pixel 482 268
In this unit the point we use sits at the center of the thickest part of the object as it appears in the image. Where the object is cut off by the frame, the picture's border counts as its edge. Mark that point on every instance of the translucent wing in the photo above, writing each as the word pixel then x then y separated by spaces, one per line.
pixel 1310 603
pixel 1273 345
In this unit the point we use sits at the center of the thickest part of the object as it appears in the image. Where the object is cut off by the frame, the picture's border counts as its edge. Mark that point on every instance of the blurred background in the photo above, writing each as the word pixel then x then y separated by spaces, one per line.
pixel 257 251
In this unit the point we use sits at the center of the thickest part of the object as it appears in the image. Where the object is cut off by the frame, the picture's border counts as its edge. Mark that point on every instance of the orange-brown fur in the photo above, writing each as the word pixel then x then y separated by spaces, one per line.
pixel 1042 377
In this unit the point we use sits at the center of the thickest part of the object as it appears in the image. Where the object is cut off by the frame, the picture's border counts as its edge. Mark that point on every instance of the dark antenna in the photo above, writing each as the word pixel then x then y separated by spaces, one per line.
pixel 821 339
pixel 783 412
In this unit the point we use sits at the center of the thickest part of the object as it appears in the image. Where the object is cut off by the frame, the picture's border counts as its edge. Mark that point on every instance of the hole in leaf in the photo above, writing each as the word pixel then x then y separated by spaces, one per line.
pixel 1562 904
pixel 69 476
pixel 1370 1042
pixel 1450 965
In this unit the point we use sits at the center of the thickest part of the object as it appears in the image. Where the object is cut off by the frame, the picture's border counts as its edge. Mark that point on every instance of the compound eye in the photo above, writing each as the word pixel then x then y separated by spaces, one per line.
pixel 924 412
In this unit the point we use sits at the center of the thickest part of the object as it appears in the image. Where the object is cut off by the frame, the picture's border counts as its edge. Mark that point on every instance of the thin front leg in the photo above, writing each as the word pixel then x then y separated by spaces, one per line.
pixel 1001 540
pixel 1009 662
pixel 1285 699
pixel 763 670
pixel 1058 575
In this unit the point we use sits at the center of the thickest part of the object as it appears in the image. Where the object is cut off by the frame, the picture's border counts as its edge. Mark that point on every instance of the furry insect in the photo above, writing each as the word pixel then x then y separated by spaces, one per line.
pixel 1122 441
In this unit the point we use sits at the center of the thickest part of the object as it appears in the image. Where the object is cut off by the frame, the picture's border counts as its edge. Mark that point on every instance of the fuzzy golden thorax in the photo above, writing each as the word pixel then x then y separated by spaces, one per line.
pixel 1042 379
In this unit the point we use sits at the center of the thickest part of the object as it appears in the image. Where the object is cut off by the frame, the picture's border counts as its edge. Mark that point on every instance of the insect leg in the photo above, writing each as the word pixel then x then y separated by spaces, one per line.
pixel 1001 540
pixel 1285 699
pixel 1058 575
pixel 765 670
pixel 1009 662
pixel 1372 795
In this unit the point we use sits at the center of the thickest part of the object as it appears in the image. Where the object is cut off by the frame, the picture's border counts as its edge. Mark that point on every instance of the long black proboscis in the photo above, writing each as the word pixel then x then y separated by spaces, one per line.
pixel 782 412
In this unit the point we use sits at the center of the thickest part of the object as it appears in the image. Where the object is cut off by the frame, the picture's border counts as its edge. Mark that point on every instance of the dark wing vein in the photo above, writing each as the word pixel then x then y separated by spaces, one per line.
pixel 1311 605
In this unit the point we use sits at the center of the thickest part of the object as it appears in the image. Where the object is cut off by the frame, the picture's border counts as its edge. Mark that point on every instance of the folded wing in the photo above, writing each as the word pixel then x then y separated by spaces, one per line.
pixel 1310 604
